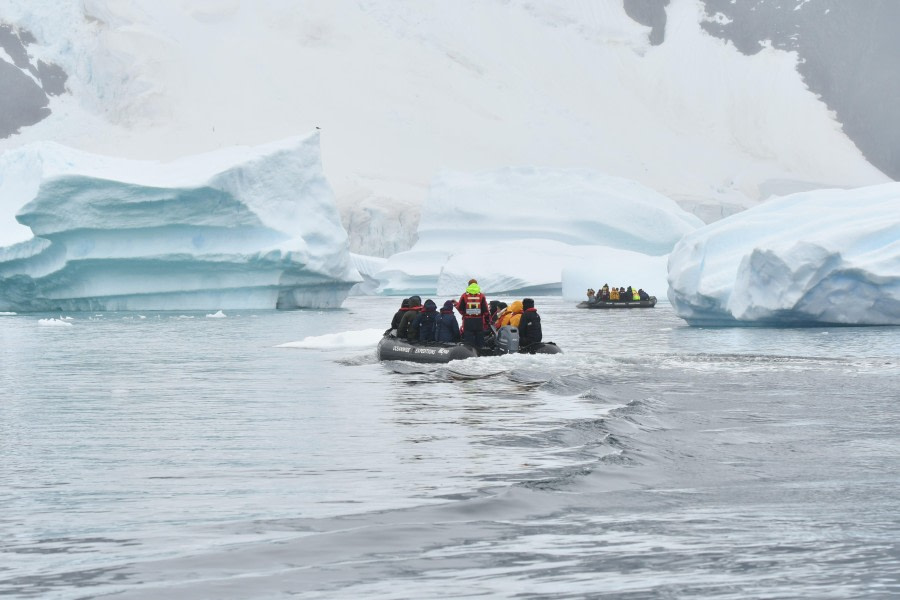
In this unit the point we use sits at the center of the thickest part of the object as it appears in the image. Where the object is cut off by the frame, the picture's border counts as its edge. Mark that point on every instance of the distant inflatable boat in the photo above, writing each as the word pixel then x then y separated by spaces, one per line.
pixel 618 303
pixel 392 348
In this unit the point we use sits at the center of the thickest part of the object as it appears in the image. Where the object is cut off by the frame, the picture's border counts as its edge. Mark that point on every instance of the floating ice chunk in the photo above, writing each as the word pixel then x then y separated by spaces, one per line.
pixel 53 323
pixel 366 338
pixel 216 315
pixel 824 257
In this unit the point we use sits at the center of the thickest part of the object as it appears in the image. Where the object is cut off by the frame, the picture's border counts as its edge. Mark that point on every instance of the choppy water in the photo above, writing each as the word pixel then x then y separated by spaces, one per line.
pixel 174 455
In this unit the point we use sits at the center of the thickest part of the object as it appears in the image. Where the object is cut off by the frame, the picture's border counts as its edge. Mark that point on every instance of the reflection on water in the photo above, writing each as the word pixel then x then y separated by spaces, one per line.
pixel 154 454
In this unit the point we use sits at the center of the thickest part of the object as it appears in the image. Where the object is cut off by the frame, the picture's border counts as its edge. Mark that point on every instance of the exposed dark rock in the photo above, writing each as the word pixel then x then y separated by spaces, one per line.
pixel 849 53
pixel 24 102
pixel 651 13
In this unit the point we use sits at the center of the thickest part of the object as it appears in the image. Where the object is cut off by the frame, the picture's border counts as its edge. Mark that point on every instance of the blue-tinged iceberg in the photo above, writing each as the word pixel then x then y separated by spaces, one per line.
pixel 824 257
pixel 517 229
pixel 237 228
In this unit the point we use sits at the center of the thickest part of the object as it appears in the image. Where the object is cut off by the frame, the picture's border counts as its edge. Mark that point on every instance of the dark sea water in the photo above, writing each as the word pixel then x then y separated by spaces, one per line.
pixel 172 455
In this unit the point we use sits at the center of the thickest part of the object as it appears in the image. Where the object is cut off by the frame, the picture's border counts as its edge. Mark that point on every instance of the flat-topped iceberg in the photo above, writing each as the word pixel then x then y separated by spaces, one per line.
pixel 237 228
pixel 516 229
pixel 823 257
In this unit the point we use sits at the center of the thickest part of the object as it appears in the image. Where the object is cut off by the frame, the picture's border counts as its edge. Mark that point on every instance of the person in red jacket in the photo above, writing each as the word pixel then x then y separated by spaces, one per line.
pixel 473 307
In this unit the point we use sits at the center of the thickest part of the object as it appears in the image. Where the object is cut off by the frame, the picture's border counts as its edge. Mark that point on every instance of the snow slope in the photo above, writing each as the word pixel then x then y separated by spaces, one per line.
pixel 402 89
pixel 824 257
pixel 238 228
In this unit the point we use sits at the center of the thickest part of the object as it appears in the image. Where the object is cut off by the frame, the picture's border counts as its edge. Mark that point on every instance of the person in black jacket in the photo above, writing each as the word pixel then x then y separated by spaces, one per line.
pixel 530 325
pixel 415 306
pixel 422 327
pixel 395 322
pixel 447 327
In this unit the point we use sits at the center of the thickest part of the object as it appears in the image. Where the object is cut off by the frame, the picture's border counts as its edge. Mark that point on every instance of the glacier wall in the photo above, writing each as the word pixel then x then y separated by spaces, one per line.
pixel 823 257
pixel 239 228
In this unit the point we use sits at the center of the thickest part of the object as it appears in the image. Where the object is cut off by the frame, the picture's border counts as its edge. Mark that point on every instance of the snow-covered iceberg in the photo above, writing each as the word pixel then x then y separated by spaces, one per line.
pixel 823 257
pixel 515 229
pixel 237 228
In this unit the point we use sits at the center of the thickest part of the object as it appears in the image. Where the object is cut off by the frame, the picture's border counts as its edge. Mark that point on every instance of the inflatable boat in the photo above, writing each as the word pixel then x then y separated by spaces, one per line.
pixel 505 342
pixel 618 303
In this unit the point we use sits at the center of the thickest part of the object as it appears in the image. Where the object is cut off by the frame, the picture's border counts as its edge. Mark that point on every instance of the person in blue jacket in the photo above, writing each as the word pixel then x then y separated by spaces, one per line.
pixel 447 327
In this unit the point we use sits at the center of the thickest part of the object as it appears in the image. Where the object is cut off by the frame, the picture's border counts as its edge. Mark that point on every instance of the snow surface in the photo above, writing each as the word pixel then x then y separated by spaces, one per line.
pixel 237 228
pixel 366 338
pixel 824 257
pixel 516 229
pixel 403 89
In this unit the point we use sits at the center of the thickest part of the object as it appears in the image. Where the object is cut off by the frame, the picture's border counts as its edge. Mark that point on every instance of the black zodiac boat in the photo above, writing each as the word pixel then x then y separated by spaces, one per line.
pixel 618 303
pixel 506 342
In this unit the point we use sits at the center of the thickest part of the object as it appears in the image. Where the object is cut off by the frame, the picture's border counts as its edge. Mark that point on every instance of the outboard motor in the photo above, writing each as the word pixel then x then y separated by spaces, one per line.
pixel 508 339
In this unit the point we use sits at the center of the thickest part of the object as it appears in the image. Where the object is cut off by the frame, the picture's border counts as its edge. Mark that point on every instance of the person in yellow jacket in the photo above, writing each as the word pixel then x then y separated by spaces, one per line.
pixel 512 315
pixel 634 294
pixel 613 294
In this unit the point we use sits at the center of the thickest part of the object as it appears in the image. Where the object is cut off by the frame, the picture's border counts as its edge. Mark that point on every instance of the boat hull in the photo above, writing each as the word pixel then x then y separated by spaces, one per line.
pixel 612 304
pixel 391 348
pixel 540 348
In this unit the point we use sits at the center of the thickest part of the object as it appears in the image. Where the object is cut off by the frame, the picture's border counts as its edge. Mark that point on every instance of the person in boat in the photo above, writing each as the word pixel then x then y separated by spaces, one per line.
pixel 512 315
pixel 496 308
pixel 446 329
pixel 634 294
pixel 591 294
pixel 643 295
pixel 623 294
pixel 415 305
pixel 395 322
pixel 502 307
pixel 529 325
pixel 475 312
pixel 604 292
pixel 422 327
pixel 614 295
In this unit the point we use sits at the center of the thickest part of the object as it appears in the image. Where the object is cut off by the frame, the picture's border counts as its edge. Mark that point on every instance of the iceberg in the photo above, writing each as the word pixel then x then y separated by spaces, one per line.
pixel 828 257
pixel 366 266
pixel 236 228
pixel 516 229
